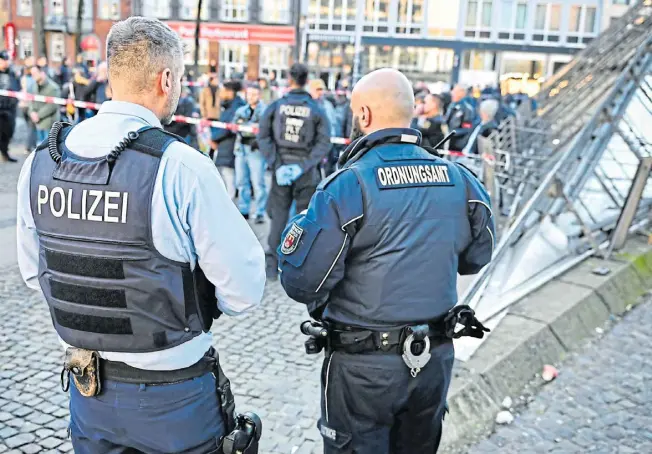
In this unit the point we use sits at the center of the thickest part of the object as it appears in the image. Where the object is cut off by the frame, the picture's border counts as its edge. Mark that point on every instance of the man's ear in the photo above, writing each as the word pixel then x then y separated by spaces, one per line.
pixel 166 80
pixel 365 118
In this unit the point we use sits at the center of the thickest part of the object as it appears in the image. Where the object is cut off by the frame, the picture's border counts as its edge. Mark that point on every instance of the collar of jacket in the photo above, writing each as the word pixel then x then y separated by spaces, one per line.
pixel 359 147
pixel 299 91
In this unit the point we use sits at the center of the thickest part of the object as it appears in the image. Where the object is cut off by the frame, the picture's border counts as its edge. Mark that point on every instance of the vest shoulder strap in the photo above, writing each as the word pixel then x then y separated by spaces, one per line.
pixel 153 141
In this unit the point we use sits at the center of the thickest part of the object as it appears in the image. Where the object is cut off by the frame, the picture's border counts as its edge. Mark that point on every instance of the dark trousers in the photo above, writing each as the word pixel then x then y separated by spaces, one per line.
pixel 125 418
pixel 7 127
pixel 278 208
pixel 370 404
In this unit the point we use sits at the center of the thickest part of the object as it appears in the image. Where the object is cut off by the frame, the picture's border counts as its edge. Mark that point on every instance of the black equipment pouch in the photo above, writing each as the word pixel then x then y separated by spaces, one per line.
pixel 223 388
pixel 85 368
pixel 465 316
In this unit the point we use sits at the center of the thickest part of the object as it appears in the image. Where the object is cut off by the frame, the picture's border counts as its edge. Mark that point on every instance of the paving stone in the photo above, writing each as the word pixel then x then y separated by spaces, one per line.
pixel 50 442
pixel 610 403
pixel 19 440
pixel 31 448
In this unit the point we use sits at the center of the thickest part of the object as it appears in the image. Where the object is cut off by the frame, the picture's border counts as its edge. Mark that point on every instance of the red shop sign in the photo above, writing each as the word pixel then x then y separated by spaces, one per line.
pixel 10 39
pixel 253 34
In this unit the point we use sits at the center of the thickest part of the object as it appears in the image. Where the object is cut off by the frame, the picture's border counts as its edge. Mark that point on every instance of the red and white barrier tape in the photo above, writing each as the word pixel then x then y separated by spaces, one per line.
pixel 181 119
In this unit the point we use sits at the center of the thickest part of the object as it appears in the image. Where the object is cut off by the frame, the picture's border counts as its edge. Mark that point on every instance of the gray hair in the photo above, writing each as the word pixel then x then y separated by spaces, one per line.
pixel 139 48
pixel 489 107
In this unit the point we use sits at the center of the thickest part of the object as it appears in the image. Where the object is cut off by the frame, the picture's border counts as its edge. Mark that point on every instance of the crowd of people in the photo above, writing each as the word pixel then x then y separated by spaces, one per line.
pixel 469 111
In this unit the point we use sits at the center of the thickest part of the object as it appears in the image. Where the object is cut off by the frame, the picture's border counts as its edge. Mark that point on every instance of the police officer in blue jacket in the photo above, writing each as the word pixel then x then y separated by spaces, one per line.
pixel 294 137
pixel 375 257
pixel 128 232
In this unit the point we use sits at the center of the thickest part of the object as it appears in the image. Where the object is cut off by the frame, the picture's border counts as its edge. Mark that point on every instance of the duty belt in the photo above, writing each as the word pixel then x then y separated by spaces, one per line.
pixel 412 342
pixel 121 372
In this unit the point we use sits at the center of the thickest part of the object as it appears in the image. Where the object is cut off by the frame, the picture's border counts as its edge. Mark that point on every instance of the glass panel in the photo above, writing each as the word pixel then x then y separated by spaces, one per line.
pixel 574 19
pixel 540 17
pixel 338 10
pixel 417 11
pixel 555 18
pixel 350 11
pixel 521 16
pixel 589 20
pixel 472 14
pixel 26 44
pixel 57 47
pixel 486 14
pixel 506 14
pixel 25 9
pixel 188 9
pixel 403 11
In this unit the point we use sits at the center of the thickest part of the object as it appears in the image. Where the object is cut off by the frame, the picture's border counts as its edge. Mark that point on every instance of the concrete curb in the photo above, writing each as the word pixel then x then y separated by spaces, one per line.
pixel 541 329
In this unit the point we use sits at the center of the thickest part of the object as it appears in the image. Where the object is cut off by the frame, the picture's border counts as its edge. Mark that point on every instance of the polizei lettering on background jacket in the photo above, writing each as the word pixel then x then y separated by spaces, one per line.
pixel 405 176
pixel 60 203
pixel 294 125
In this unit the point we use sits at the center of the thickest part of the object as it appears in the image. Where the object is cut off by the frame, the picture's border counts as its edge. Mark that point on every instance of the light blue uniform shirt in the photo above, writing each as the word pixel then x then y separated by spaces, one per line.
pixel 193 219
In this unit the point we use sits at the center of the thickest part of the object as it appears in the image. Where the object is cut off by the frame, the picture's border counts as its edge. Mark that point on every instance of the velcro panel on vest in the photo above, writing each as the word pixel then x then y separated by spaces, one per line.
pixel 88 296
pixel 83 265
pixel 93 323
pixel 86 172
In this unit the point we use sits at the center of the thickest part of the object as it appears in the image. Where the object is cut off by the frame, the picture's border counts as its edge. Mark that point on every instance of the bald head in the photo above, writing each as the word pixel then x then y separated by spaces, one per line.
pixel 382 99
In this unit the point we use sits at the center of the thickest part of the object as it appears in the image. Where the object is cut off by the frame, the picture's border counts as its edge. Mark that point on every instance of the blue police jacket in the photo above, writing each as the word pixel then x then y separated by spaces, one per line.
pixel 294 130
pixel 384 238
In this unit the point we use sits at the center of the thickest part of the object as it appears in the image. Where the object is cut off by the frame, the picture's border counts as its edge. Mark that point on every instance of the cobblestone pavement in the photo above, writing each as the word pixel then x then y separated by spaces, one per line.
pixel 599 403
pixel 262 354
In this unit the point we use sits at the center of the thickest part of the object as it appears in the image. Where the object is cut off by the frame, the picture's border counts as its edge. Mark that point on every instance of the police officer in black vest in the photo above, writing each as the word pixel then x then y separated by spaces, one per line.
pixel 128 232
pixel 375 257
pixel 8 81
pixel 294 137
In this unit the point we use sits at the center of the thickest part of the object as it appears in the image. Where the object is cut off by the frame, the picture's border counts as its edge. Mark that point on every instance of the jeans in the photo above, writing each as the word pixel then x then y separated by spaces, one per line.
pixel 250 171
pixel 228 175
pixel 41 135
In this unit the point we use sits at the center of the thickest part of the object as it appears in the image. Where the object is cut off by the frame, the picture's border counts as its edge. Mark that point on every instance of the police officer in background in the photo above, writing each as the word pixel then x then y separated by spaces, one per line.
pixel 129 234
pixel 294 137
pixel 8 81
pixel 462 117
pixel 375 257
pixel 431 124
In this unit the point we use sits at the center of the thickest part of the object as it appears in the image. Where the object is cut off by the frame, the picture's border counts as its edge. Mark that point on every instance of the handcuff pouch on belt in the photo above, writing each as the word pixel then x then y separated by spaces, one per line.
pixel 84 365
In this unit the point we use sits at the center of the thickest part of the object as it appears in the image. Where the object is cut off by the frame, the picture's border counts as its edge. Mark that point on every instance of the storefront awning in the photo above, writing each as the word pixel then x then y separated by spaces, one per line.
pixel 247 33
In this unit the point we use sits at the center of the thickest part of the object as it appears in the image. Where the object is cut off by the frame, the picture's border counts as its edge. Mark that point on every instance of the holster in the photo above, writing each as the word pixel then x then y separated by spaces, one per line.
pixel 84 365
pixel 223 389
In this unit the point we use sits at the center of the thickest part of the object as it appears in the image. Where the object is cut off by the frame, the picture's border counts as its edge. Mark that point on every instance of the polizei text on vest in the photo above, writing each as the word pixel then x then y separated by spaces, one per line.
pixel 64 202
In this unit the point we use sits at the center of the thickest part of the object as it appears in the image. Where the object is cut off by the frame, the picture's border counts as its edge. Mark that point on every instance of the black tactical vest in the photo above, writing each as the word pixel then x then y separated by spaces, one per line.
pixel 295 126
pixel 106 285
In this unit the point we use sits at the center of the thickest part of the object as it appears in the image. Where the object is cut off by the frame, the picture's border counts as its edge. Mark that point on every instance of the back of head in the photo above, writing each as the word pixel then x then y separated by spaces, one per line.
pixel 298 75
pixel 383 99
pixel 138 50
pixel 488 109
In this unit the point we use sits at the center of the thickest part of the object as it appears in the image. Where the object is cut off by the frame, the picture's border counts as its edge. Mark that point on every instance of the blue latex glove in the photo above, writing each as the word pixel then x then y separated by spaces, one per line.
pixel 287 174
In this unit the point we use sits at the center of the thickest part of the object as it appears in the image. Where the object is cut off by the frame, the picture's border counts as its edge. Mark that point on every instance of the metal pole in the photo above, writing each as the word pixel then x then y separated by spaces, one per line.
pixel 360 5
pixel 297 31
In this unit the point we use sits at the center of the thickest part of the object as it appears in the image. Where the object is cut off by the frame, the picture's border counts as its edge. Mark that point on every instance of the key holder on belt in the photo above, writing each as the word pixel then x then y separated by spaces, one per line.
pixel 415 362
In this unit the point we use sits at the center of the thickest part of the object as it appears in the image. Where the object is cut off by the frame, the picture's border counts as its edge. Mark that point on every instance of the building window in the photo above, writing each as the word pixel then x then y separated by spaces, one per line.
pixel 108 9
pixel 277 12
pixel 25 44
pixel 189 52
pixel 156 8
pixel 547 22
pixel 24 8
pixel 57 47
pixel 331 15
pixel 273 59
pixel 233 59
pixel 410 17
pixel 234 10
pixel 55 15
pixel 188 10
pixel 513 17
pixel 581 24
pixel 621 2
pixel 478 19
pixel 376 16
pixel 479 60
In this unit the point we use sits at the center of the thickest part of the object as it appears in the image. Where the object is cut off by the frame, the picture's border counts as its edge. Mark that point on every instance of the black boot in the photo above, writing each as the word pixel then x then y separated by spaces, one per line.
pixel 6 158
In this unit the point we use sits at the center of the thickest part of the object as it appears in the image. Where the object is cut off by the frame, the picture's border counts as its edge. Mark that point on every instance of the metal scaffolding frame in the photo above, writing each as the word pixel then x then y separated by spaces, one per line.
pixel 572 177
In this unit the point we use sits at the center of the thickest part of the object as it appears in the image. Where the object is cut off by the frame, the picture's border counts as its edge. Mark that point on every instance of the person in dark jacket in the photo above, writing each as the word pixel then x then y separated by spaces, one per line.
pixel 362 258
pixel 8 81
pixel 461 117
pixel 431 124
pixel 224 139
pixel 185 108
pixel 488 110
pixel 294 137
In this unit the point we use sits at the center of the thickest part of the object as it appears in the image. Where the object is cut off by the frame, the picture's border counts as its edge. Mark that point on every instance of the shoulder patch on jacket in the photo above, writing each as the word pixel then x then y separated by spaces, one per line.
pixel 291 240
